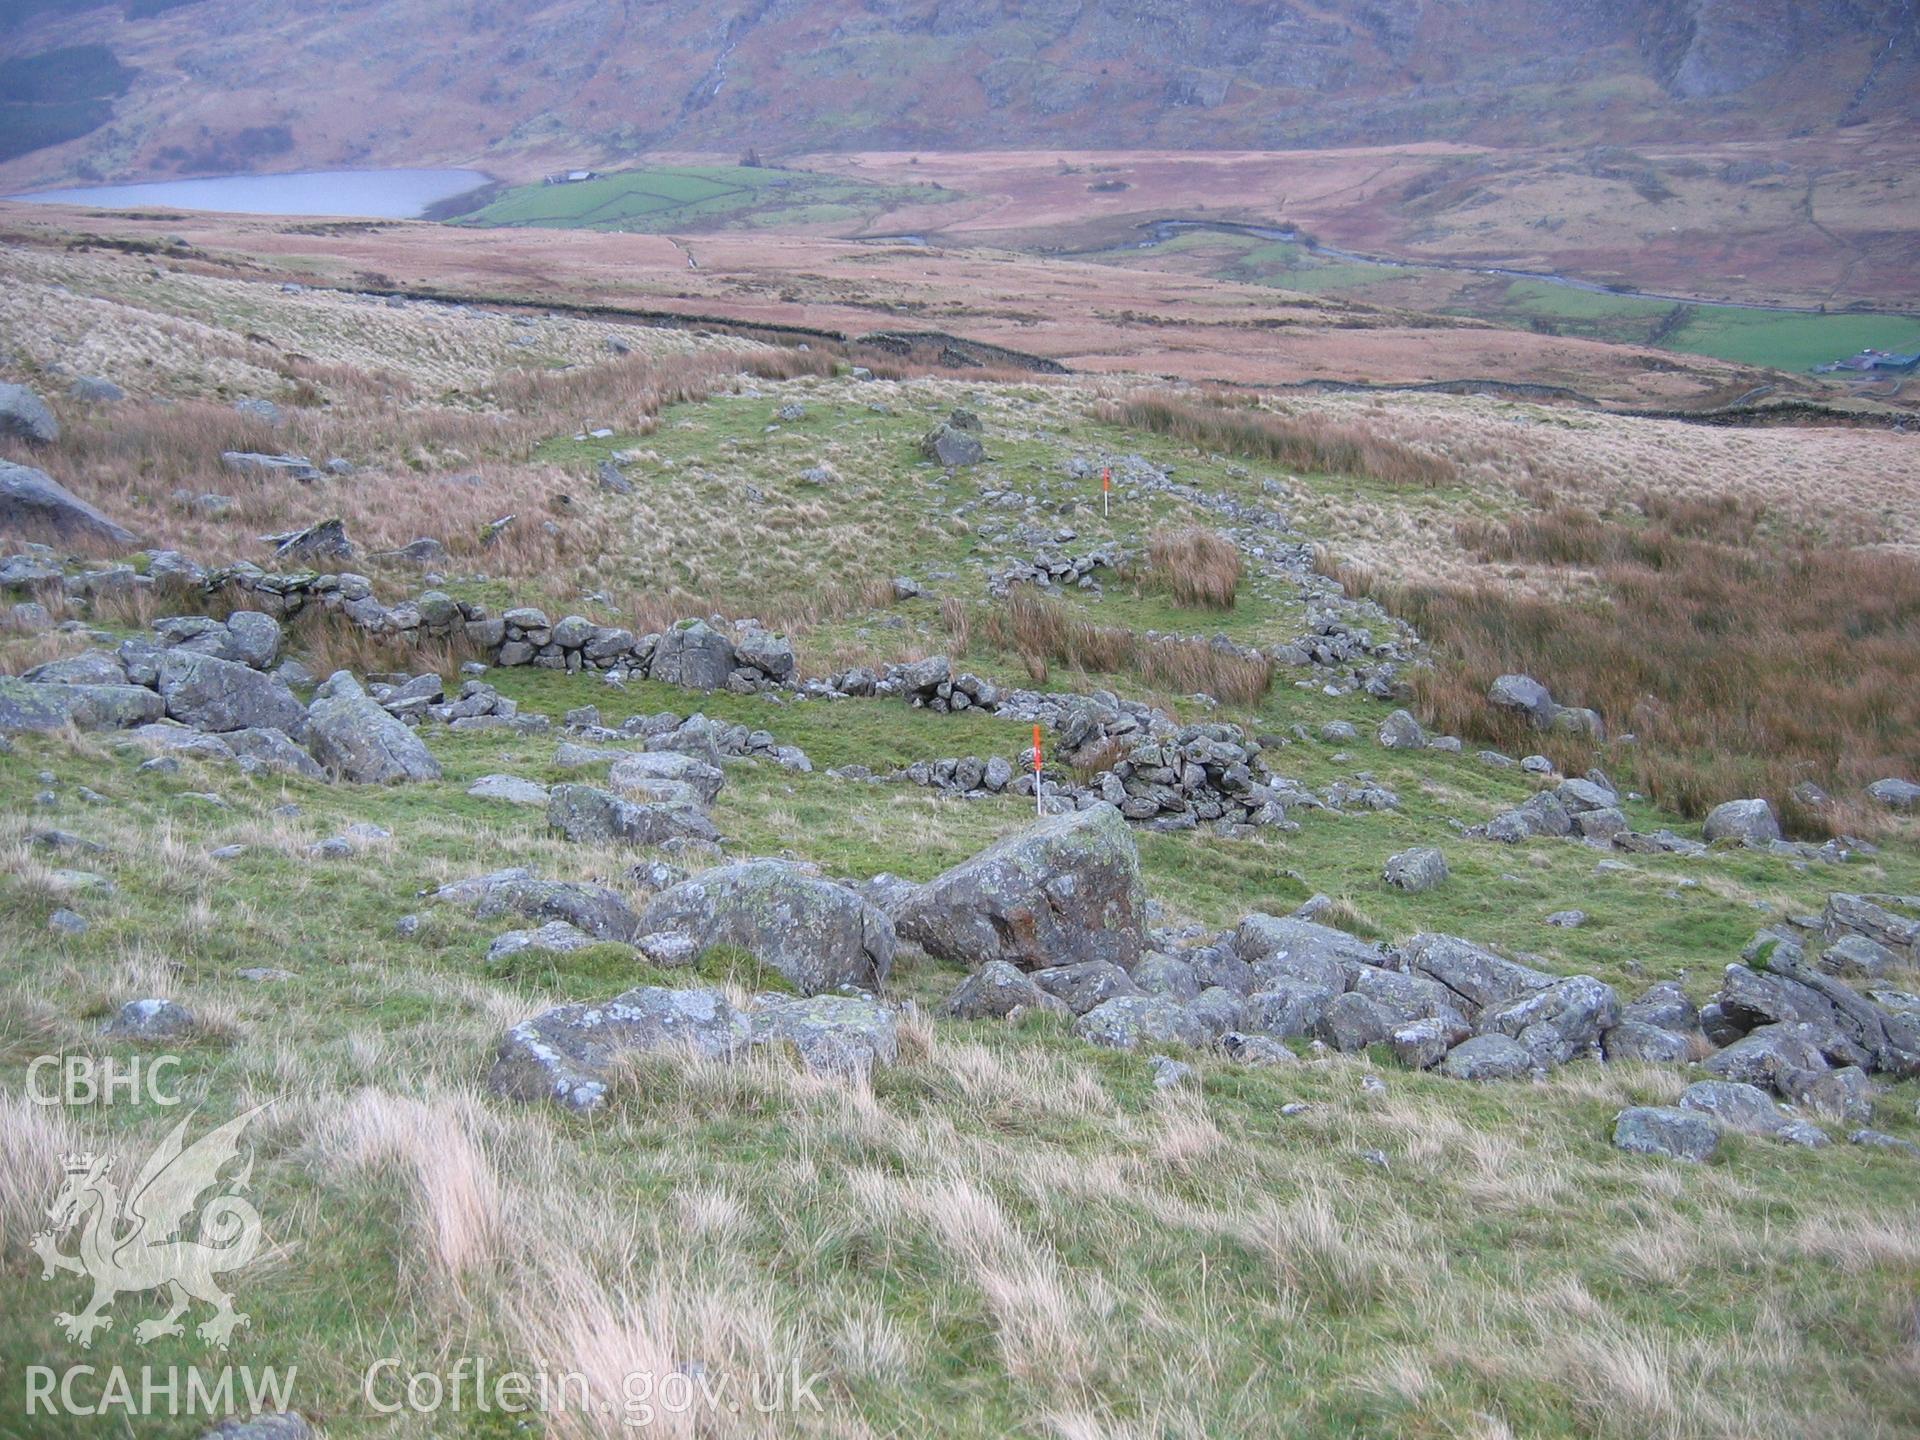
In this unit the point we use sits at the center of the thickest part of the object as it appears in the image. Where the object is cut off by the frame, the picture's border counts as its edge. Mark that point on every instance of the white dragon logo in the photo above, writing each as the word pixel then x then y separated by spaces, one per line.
pixel 132 1247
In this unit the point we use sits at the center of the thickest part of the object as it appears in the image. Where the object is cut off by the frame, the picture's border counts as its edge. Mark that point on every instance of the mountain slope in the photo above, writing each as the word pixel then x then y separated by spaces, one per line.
pixel 241 82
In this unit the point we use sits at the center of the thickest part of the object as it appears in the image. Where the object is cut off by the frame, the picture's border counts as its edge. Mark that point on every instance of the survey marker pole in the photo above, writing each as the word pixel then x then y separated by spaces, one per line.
pixel 1106 493
pixel 1039 808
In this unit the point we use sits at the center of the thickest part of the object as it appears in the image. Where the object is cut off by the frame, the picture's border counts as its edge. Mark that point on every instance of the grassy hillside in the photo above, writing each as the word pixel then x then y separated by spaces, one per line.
pixel 1008 1231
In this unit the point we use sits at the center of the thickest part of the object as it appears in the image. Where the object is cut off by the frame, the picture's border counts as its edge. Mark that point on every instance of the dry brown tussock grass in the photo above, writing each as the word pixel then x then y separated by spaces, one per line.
pixel 1196 567
pixel 1042 631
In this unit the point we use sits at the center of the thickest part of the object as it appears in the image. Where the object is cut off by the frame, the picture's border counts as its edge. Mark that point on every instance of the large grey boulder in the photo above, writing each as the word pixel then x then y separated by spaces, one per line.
pixel 1477 976
pixel 1423 1044
pixel 33 503
pixel 25 416
pixel 212 694
pixel 695 655
pixel 767 652
pixel 1769 1053
pixel 567 1053
pixel 150 1019
pixel 588 815
pixel 358 741
pixel 1284 948
pixel 1849 1028
pixel 1130 1021
pixel 95 667
pixel 509 789
pixel 1417 870
pixel 995 991
pixel 832 1034
pixel 26 706
pixel 1400 731
pixel 953 447
pixel 819 935
pixel 269 467
pixel 1560 1023
pixel 1649 1044
pixel 1735 1106
pixel 1166 975
pixel 1525 696
pixel 1665 1005
pixel 95 390
pixel 322 541
pixel 1083 986
pixel 1352 1022
pixel 518 891
pixel 1895 794
pixel 1061 892
pixel 1287 1008
pixel 1845 1095
pixel 251 638
pixel 1877 919
pixel 556 937
pixel 1745 822
pixel 1666 1130
pixel 263 749
pixel 644 774
pixel 1407 997
pixel 1488 1057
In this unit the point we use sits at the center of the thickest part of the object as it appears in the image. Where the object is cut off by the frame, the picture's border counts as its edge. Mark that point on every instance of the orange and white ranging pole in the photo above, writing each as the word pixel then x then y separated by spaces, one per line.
pixel 1106 493
pixel 1039 807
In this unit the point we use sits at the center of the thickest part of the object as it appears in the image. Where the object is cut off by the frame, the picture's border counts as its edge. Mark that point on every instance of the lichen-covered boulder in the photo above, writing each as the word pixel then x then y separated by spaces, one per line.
pixel 26 706
pixel 212 694
pixel 645 774
pixel 1744 822
pixel 94 667
pixel 1637 1040
pixel 518 891
pixel 1477 976
pixel 1062 892
pixel 34 504
pixel 567 1053
pixel 1083 986
pixel 995 991
pixel 1287 1008
pixel 588 815
pixel 1128 1021
pixel 1666 1130
pixel 1562 1022
pixel 1488 1057
pixel 1417 870
pixel 819 935
pixel 150 1019
pixel 25 416
pixel 1285 948
pixel 832 1034
pixel 258 748
pixel 358 741
pixel 695 655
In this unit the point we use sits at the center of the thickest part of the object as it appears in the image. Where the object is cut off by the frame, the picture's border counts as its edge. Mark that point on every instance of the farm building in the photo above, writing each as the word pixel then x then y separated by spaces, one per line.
pixel 572 177
pixel 1874 362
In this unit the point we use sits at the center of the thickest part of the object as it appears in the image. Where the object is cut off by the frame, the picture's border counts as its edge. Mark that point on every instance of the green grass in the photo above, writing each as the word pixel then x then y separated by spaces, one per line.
pixel 1792 342
pixel 1781 340
pixel 683 198
pixel 1144 1226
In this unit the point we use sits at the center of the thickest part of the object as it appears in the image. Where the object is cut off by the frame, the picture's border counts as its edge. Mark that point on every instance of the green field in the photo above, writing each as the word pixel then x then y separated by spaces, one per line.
pixel 698 198
pixel 1777 339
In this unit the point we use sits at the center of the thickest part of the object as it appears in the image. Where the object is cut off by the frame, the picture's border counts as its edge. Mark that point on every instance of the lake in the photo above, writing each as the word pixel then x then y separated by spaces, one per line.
pixel 374 194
